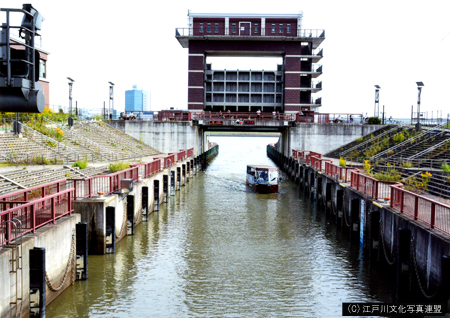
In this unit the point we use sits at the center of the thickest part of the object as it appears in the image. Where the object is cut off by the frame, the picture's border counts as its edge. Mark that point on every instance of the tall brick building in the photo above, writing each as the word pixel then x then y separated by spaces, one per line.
pixel 288 89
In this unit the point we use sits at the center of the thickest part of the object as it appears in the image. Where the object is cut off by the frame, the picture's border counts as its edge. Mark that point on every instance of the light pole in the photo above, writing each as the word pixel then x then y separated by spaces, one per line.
pixel 419 87
pixel 377 101
pixel 111 98
pixel 71 81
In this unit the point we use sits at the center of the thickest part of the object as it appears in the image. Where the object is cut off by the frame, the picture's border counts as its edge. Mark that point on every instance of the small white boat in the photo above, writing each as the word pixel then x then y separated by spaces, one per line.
pixel 262 179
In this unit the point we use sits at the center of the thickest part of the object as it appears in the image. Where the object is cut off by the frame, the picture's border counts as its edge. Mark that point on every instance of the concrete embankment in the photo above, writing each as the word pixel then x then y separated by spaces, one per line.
pixel 410 250
pixel 38 267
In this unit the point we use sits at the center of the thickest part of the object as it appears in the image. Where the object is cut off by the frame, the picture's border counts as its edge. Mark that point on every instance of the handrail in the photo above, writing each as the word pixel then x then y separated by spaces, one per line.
pixel 99 147
pixel 429 149
pixel 63 146
pixel 370 140
pixel 86 187
pixel 98 127
pixel 401 144
pixel 228 32
pixel 37 213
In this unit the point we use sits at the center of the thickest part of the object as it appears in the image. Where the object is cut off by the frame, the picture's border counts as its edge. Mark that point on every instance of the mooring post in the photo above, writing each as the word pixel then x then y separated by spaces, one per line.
pixel 145 203
pixel 166 187
pixel 130 214
pixel 156 195
pixel 183 173
pixel 403 266
pixel 110 230
pixel 82 250
pixel 172 182
pixel 37 282
pixel 445 282
pixel 178 178
pixel 188 171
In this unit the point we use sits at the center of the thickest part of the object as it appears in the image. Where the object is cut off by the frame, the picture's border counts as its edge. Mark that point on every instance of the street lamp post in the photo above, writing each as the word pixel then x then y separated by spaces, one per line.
pixel 111 99
pixel 377 101
pixel 419 87
pixel 71 81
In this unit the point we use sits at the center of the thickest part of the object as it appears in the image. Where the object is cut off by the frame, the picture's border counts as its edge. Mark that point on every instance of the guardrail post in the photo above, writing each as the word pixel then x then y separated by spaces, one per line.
pixel 433 215
pixel 416 207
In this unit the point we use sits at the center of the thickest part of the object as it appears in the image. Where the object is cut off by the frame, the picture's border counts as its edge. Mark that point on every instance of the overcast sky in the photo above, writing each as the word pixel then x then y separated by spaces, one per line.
pixel 390 43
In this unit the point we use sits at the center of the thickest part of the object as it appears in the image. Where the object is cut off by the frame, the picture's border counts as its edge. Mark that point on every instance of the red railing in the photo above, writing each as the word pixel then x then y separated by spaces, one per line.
pixel 318 163
pixel 23 196
pixel 86 188
pixel 243 115
pixel 374 188
pixel 189 152
pixel 342 172
pixel 149 168
pixel 31 215
pixel 434 213
pixel 167 160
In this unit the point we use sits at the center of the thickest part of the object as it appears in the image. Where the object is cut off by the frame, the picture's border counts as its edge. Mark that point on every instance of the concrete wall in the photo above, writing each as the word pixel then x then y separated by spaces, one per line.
pixel 170 136
pixel 322 138
pixel 57 241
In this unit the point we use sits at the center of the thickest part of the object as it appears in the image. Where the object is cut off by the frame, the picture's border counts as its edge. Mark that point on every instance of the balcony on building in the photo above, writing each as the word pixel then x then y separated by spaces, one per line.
pixel 258 27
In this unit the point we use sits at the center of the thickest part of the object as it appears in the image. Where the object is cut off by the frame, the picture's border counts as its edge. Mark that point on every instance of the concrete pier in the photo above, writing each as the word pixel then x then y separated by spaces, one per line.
pixel 407 247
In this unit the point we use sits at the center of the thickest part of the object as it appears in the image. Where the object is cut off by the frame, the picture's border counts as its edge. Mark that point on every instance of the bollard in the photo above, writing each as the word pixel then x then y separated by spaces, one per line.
pixel 178 178
pixel 403 266
pixel 145 203
pixel 130 214
pixel 183 171
pixel 156 195
pixel 192 167
pixel 82 250
pixel 110 230
pixel 37 282
pixel 445 282
pixel 195 165
pixel 188 171
pixel 172 182
pixel 166 187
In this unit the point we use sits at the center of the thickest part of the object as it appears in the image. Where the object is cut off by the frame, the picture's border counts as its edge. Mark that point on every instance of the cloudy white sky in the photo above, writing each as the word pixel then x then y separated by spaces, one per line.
pixel 390 43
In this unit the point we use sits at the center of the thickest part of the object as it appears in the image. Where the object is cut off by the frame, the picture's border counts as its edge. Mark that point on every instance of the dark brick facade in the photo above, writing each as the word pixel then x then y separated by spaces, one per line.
pixel 196 79
pixel 196 62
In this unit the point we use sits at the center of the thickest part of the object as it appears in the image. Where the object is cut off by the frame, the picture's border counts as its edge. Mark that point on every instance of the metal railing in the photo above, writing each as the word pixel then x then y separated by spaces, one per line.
pixel 403 143
pixel 370 140
pixel 34 214
pixel 434 213
pixel 374 188
pixel 108 184
pixel 33 133
pixel 342 173
pixel 265 116
pixel 228 32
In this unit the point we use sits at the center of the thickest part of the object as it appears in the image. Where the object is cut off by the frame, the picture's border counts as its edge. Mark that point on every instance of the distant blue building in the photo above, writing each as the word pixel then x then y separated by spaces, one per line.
pixel 136 100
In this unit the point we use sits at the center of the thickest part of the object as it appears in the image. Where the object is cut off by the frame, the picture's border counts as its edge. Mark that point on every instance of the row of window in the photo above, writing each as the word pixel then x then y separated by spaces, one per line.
pixel 255 28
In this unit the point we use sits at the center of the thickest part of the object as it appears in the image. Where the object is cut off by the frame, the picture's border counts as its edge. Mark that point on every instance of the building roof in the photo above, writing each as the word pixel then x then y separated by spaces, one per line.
pixel 246 15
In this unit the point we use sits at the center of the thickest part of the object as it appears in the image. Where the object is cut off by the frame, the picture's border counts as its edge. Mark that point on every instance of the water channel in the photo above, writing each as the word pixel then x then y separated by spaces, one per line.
pixel 219 250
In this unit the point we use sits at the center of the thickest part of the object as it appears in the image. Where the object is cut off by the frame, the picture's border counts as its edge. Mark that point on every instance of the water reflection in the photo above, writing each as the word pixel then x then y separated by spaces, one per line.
pixel 219 250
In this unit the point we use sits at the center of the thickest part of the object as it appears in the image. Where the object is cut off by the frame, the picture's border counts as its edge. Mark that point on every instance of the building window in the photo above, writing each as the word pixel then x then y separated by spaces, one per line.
pixel 273 28
pixel 216 28
pixel 209 27
pixel 201 27
pixel 281 28
pixel 256 28
pixel 288 28
pixel 234 27
pixel 42 69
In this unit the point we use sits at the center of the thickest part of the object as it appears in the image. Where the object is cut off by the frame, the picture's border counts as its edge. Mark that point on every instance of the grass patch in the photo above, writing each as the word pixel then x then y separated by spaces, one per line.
pixel 119 166
pixel 82 164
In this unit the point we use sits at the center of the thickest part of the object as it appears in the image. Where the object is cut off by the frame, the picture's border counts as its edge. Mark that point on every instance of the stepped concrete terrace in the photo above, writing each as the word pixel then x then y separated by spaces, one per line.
pixel 89 141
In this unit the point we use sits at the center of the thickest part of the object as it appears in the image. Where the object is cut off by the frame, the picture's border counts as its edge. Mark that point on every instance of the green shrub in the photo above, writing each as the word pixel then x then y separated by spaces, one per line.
pixel 40 160
pixel 445 167
pixel 342 162
pixel 391 174
pixel 374 121
pixel 82 164
pixel 119 166
pixel 398 138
